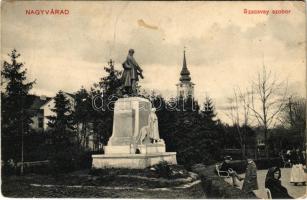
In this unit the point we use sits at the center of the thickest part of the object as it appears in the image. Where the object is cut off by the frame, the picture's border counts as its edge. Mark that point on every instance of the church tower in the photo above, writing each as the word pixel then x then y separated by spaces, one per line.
pixel 185 87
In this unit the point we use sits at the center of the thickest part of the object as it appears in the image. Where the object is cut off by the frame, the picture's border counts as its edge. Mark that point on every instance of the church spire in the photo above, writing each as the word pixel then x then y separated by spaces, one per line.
pixel 185 74
pixel 185 88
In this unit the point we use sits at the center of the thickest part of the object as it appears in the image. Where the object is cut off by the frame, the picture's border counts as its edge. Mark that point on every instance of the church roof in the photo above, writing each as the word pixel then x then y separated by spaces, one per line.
pixel 185 73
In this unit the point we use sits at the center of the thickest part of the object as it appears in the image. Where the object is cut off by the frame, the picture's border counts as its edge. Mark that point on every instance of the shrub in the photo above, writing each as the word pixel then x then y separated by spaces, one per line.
pixel 215 186
pixel 70 159
pixel 268 163
pixel 240 165
pixel 62 162
pixel 7 169
pixel 85 160
pixel 163 169
pixel 37 169
pixel 99 172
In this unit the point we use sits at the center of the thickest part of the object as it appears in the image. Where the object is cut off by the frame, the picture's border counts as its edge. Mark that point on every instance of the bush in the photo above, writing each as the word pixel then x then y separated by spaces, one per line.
pixel 215 186
pixel 200 145
pixel 240 165
pixel 99 172
pixel 70 159
pixel 268 163
pixel 7 169
pixel 163 169
pixel 37 169
pixel 85 159
pixel 62 162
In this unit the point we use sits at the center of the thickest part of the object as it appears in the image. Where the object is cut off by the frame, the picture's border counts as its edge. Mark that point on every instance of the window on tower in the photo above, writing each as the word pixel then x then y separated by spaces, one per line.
pixel 181 93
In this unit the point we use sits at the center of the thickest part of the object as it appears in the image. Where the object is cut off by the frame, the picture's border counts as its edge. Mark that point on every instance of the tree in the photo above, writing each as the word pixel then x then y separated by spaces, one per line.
pixel 166 120
pixel 61 122
pixel 293 117
pixel 268 100
pixel 239 114
pixel 208 112
pixel 15 119
pixel 104 94
pixel 64 154
pixel 82 115
pixel 196 139
pixel 111 84
pixel 293 113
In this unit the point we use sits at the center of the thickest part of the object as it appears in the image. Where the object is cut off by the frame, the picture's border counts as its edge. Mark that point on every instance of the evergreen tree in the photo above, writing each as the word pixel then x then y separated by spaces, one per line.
pixel 208 113
pixel 187 111
pixel 108 90
pixel 65 153
pixel 82 115
pixel 111 84
pixel 166 120
pixel 196 136
pixel 61 123
pixel 15 119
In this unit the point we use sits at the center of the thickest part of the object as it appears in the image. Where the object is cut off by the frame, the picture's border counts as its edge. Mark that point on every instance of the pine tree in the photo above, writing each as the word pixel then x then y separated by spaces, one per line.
pixel 109 89
pixel 111 84
pixel 15 119
pixel 61 123
pixel 82 115
pixel 208 112
pixel 196 135
pixel 187 111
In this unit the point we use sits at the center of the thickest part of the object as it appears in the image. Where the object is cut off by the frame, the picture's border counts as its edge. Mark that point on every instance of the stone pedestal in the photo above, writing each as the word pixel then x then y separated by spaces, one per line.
pixel 130 117
pixel 132 161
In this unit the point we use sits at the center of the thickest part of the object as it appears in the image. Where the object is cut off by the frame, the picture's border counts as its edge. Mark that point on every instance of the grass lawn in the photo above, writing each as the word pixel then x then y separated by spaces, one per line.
pixel 92 186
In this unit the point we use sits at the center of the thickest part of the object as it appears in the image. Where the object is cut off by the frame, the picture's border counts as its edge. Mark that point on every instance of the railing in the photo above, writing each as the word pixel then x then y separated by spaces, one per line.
pixel 35 163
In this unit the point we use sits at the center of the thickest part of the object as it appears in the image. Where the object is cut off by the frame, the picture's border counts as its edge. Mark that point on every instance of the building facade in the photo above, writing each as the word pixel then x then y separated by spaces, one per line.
pixel 42 108
pixel 38 115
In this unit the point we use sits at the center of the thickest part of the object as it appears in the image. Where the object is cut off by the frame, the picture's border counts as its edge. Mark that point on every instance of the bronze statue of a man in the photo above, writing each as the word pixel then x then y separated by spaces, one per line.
pixel 130 75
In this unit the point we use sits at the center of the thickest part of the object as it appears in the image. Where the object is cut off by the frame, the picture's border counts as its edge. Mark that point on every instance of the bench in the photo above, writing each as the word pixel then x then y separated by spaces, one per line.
pixel 35 163
pixel 220 173
pixel 263 193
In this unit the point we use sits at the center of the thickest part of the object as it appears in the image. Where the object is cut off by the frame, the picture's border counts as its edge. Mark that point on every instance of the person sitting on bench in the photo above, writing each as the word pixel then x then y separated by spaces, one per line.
pixel 226 167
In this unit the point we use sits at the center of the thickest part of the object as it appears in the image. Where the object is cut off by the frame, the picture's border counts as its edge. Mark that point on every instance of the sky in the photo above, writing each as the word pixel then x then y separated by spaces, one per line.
pixel 225 48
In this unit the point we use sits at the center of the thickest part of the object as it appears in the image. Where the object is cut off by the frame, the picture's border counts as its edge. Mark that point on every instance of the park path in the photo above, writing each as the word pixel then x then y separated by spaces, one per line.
pixel 294 191
pixel 183 186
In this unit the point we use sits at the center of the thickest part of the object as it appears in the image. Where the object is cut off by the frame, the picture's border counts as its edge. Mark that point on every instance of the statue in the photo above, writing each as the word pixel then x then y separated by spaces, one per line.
pixel 131 74
pixel 150 132
pixel 153 124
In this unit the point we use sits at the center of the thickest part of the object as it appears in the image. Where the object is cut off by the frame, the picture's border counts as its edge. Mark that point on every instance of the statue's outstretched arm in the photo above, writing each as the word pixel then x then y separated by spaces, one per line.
pixel 136 64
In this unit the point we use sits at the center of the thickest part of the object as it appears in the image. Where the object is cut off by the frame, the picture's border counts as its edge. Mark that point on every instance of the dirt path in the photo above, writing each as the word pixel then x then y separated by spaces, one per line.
pixel 294 191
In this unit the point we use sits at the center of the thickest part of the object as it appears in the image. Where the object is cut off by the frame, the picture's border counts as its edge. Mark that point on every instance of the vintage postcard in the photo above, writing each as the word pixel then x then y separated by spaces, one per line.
pixel 153 99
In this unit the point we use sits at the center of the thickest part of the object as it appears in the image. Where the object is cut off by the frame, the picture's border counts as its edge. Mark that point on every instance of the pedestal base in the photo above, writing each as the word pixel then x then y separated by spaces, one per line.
pixel 144 149
pixel 132 161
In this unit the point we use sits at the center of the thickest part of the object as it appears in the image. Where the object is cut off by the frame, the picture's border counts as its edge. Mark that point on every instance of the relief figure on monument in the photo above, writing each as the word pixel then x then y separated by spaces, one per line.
pixel 153 124
pixel 150 133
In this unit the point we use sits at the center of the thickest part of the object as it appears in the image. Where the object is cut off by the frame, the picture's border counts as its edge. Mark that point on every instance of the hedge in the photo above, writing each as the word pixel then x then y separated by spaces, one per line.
pixel 215 186
pixel 240 165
